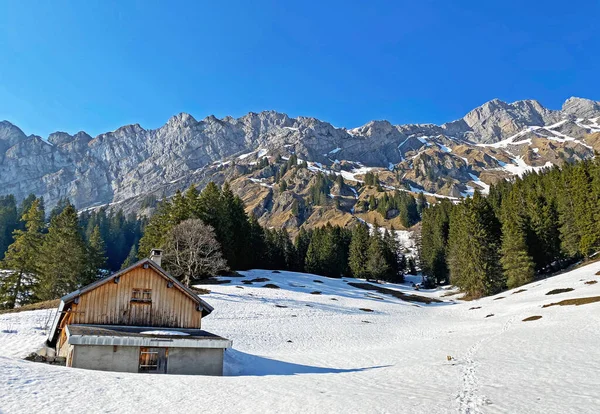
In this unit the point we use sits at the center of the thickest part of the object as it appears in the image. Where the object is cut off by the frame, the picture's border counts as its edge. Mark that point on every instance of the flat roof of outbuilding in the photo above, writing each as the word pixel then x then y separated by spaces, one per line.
pixel 119 335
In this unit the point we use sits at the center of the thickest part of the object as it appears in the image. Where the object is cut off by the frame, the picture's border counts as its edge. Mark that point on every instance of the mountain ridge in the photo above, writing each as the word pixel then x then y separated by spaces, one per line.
pixel 452 159
pixel 571 105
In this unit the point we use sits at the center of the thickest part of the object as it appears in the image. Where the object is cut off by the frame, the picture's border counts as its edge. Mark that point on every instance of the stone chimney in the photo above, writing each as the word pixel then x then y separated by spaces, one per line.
pixel 156 256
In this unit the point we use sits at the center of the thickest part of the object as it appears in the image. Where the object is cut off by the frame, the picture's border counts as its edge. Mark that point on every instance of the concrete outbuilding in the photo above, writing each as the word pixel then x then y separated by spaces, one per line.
pixel 140 319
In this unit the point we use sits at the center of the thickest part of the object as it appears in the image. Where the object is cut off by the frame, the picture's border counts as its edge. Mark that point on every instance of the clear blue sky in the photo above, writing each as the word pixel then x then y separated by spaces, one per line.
pixel 97 65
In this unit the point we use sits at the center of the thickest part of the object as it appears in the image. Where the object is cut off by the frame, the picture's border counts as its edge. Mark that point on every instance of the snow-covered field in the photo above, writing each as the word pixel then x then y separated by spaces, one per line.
pixel 318 353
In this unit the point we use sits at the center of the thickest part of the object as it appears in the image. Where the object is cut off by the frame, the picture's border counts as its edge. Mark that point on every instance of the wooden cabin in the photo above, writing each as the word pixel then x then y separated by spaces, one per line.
pixel 139 319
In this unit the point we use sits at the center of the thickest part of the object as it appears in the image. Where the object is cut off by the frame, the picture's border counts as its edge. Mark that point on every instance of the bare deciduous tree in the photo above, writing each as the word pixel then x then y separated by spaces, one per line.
pixel 192 251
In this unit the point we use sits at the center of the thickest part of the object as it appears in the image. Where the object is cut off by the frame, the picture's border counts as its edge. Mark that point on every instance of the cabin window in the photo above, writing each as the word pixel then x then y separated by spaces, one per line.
pixel 153 360
pixel 141 295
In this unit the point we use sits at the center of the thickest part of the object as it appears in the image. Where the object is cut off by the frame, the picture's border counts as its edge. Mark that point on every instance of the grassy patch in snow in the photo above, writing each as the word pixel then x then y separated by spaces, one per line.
pixel 576 302
pixel 211 281
pixel 271 286
pixel 395 293
pixel 450 293
pixel 519 291
pixel 557 291
pixel 48 304
pixel 200 291
pixel 232 273
pixel 532 318
pixel 591 282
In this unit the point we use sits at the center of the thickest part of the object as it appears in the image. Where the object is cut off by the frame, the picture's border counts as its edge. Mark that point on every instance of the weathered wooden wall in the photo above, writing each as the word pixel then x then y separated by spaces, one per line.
pixel 110 303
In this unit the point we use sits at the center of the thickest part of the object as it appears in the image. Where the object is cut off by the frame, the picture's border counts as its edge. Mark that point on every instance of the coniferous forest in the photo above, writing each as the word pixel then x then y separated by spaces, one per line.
pixel 535 225
pixel 48 255
pixel 329 250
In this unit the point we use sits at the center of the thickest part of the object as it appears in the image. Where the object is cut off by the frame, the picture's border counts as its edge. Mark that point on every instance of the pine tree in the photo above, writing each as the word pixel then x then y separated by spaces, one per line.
pixel 22 259
pixel 62 258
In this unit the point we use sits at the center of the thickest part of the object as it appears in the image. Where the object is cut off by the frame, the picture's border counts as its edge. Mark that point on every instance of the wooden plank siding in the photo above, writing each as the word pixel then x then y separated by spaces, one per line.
pixel 111 304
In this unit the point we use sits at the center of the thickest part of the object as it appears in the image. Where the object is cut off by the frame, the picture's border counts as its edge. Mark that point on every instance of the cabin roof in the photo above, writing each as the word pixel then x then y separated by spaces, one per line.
pixel 143 336
pixel 68 298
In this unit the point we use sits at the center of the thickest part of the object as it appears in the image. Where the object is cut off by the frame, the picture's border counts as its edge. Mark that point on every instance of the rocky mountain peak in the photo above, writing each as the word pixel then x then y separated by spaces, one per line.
pixel 9 136
pixel 129 129
pixel 374 128
pixel 131 161
pixel 59 138
pixel 582 108
pixel 184 120
pixel 496 120
pixel 10 132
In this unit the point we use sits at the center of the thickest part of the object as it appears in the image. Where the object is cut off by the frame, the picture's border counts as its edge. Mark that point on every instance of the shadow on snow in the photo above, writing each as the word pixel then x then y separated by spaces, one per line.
pixel 242 364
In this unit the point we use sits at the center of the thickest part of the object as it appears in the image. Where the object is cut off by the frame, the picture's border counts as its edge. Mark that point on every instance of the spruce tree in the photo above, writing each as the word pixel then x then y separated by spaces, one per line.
pixel 302 243
pixel 421 203
pixel 392 256
pixel 209 206
pixel 517 264
pixel 256 241
pixel 570 234
pixel 62 259
pixel 377 266
pixel 155 232
pixel 359 251
pixel 9 221
pixel 22 259
pixel 96 257
pixel 132 257
pixel 434 241
pixel 474 241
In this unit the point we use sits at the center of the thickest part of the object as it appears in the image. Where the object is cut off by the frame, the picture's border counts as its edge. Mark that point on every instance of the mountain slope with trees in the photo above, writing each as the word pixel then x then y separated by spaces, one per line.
pixel 527 228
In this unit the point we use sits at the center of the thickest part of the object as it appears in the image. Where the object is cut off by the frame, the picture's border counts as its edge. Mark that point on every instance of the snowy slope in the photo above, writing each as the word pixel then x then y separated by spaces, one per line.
pixel 300 352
